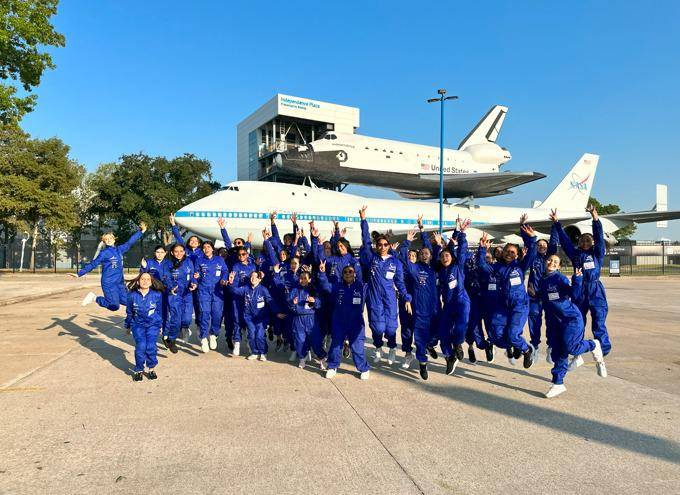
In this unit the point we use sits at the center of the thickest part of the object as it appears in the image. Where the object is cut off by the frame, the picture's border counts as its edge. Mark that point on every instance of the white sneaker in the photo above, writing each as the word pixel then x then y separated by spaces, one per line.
pixel 187 334
pixel 89 299
pixel 378 355
pixel 292 356
pixel 331 373
pixel 323 364
pixel 407 361
pixel 364 375
pixel 391 356
pixel 597 352
pixel 575 363
pixel 204 345
pixel 302 363
pixel 555 390
pixel 263 357
pixel 309 355
pixel 252 357
pixel 512 361
pixel 237 349
pixel 536 355
pixel 213 342
pixel 548 356
pixel 601 369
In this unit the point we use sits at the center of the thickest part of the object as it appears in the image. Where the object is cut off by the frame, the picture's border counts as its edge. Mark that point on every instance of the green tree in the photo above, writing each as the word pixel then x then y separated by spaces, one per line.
pixel 25 30
pixel 625 232
pixel 143 188
pixel 37 181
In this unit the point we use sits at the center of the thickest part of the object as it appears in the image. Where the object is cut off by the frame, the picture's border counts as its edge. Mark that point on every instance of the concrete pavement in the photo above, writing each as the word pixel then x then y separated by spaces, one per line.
pixel 74 422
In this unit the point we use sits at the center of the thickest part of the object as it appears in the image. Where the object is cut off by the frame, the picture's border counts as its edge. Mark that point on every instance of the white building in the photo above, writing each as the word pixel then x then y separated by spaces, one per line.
pixel 283 122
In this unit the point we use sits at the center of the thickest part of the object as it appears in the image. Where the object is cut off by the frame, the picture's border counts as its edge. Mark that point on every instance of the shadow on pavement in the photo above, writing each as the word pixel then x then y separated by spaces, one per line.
pixel 588 429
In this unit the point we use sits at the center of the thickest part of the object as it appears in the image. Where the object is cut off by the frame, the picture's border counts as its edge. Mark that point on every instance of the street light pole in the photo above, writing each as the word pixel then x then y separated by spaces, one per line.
pixel 442 98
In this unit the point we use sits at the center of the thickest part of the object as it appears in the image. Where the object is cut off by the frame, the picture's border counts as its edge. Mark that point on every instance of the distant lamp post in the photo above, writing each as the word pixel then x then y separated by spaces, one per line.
pixel 24 238
pixel 441 101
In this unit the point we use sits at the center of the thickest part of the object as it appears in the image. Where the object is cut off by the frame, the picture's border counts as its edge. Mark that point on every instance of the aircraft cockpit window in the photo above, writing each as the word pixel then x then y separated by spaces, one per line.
pixel 327 136
pixel 230 188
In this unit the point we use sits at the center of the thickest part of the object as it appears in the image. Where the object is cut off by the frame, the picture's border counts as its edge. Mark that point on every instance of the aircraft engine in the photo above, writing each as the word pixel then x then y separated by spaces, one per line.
pixel 488 153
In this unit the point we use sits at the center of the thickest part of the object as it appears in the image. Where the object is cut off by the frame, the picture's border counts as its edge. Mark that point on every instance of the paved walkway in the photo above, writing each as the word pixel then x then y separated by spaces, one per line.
pixel 74 422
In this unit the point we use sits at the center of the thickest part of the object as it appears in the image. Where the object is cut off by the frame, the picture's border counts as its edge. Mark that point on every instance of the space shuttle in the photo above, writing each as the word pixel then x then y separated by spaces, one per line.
pixel 412 170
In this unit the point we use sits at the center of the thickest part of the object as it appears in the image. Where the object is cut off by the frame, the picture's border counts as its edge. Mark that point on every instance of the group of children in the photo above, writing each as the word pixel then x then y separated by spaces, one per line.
pixel 310 297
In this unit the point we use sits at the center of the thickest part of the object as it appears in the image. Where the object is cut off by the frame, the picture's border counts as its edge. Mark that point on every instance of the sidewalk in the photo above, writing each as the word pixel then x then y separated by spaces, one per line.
pixel 22 287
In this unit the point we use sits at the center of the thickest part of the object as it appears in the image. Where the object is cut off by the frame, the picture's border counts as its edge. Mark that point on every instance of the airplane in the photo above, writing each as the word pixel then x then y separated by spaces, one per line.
pixel 412 170
pixel 246 205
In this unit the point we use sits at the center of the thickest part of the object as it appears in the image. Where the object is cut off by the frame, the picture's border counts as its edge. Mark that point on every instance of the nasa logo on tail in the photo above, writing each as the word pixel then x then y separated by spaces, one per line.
pixel 578 184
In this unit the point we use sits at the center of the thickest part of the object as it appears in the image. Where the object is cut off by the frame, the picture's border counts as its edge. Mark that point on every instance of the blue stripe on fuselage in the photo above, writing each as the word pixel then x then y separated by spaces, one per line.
pixel 247 215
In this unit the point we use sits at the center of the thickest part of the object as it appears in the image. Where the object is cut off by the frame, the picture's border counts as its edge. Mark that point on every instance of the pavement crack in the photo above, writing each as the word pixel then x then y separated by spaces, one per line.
pixel 375 435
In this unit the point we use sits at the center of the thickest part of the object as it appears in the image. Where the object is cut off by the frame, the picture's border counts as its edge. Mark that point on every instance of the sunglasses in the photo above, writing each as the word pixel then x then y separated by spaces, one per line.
pixel 241 255
pixel 382 244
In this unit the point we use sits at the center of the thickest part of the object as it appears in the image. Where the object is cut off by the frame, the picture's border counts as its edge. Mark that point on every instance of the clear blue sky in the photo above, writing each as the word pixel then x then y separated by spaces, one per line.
pixel 172 77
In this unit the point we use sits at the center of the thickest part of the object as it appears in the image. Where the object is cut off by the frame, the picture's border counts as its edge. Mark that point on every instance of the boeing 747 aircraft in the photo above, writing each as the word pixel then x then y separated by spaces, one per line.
pixel 246 206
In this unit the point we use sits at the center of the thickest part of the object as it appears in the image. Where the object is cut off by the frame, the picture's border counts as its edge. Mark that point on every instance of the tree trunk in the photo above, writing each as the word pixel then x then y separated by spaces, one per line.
pixel 33 245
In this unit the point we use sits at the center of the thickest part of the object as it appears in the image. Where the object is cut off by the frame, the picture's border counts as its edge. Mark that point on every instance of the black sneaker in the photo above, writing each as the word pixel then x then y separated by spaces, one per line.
pixel 172 346
pixel 433 352
pixel 137 376
pixel 451 363
pixel 516 352
pixel 490 354
pixel 166 342
pixel 459 352
pixel 345 350
pixel 230 343
pixel 423 371
pixel 509 352
pixel 528 355
pixel 151 375
pixel 279 344
pixel 270 334
pixel 471 354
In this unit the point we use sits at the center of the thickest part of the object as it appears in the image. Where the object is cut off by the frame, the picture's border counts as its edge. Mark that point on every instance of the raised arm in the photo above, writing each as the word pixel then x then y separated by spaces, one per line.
pixel 223 230
pixel 598 236
pixel 482 264
pixel 399 283
pixel 323 283
pixel 529 237
pixel 125 247
pixel 462 250
pixel 175 231
pixel 366 251
pixel 553 242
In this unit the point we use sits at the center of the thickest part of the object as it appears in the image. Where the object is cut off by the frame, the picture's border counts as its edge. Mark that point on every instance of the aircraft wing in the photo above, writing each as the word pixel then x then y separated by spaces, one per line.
pixel 645 216
pixel 481 185
pixel 544 225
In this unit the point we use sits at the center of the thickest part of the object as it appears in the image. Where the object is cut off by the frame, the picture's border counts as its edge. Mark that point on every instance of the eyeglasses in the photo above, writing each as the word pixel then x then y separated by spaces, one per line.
pixel 380 244
pixel 241 255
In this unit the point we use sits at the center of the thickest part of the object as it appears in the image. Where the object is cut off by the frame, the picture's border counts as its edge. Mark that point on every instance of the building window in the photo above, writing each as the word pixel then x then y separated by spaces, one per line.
pixel 253 164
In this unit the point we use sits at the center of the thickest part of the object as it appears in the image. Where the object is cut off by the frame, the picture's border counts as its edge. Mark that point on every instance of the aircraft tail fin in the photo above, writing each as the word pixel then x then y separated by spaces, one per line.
pixel 661 203
pixel 574 190
pixel 487 129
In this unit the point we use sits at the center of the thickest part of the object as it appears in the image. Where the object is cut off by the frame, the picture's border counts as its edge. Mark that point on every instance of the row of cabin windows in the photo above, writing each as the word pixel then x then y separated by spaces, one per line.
pixel 417 154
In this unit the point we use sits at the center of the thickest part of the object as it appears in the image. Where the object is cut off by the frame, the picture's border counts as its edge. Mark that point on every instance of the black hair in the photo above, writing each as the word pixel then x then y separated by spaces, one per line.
pixel 196 237
pixel 345 243
pixel 155 283
pixel 176 262
pixel 159 246
pixel 382 237
pixel 210 243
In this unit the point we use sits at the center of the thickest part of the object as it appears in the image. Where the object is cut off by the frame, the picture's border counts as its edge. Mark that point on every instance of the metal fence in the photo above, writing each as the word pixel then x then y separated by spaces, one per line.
pixel 633 257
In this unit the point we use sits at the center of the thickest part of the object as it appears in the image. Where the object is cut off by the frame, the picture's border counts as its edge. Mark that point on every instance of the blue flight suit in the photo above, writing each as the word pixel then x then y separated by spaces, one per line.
pixel 113 282
pixel 177 280
pixel 421 283
pixel 473 286
pixel 563 320
pixel 211 272
pixel 283 282
pixel 155 268
pixel 453 317
pixel 535 305
pixel 511 310
pixel 258 307
pixel 305 324
pixel 242 279
pixel 594 298
pixel 144 314
pixel 383 274
pixel 348 302
pixel 194 255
